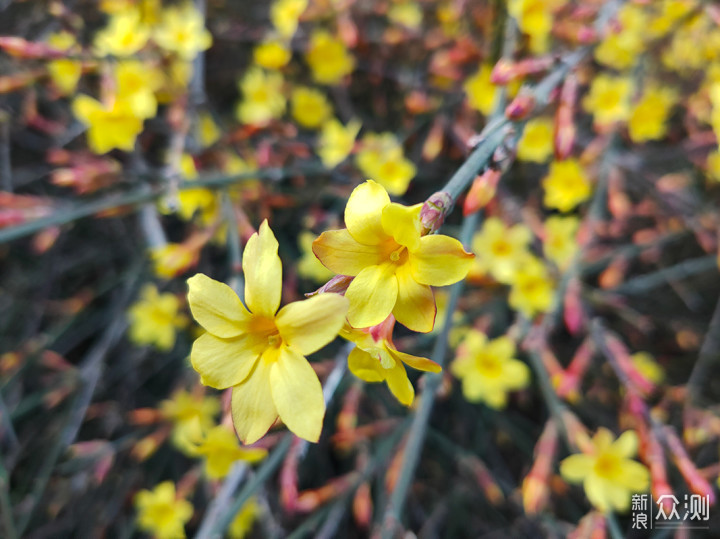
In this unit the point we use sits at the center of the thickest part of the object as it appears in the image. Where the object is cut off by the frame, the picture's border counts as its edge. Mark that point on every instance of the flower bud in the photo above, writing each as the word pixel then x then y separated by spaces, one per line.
pixel 434 211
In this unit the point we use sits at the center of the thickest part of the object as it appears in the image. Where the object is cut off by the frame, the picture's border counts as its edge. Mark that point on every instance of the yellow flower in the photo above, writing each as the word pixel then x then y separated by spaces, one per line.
pixel 336 141
pixel 192 415
pixel 310 107
pixel 566 185
pixel 161 513
pixel 136 85
pixel 154 318
pixel 488 370
pixel 393 264
pixel 500 250
pixel 607 473
pixel 482 94
pixel 647 366
pixel 263 98
pixel 173 259
pixel 108 128
pixel 381 158
pixel 258 351
pixel 609 99
pixel 244 520
pixel 124 35
pixel 535 18
pixel 375 359
pixel 207 131
pixel 309 266
pixel 182 31
pixel 536 142
pixel 560 242
pixel 285 15
pixel 648 117
pixel 65 74
pixel 272 54
pixel 328 58
pixel 221 450
pixel 621 49
pixel 407 13
pixel 532 288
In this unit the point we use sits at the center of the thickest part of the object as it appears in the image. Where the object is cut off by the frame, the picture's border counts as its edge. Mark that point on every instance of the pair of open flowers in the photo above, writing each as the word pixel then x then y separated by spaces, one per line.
pixel 259 351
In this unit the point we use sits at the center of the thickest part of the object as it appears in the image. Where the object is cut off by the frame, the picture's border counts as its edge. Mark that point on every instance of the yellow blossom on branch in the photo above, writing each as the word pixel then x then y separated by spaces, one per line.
pixel 285 15
pixel 154 318
pixel 328 58
pixel 263 98
pixel 109 127
pixel 488 370
pixel 609 99
pixel 182 31
pixel 192 415
pixel 566 185
pixel 161 513
pixel 243 522
pixel 607 473
pixel 481 93
pixel 124 35
pixel 381 158
pixel 336 141
pixel 393 265
pixel 220 450
pixel 532 288
pixel 258 351
pixel 536 142
pixel 500 250
pixel 272 54
pixel 310 108
pixel 137 83
pixel 560 242
pixel 375 359
pixel 309 266
pixel 649 116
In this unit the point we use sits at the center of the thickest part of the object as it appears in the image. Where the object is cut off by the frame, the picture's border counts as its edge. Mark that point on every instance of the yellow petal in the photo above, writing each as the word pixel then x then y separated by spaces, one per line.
pixel 577 467
pixel 599 493
pixel 364 366
pixel 216 307
pixel 224 363
pixel 341 253
pixel 403 224
pixel 363 213
pixel 85 107
pixel 603 439
pixel 297 394
pixel 400 386
pixel 418 363
pixel 309 325
pixel 415 306
pixel 626 445
pixel 635 476
pixel 515 375
pixel 253 409
pixel 440 261
pixel 263 272
pixel 372 295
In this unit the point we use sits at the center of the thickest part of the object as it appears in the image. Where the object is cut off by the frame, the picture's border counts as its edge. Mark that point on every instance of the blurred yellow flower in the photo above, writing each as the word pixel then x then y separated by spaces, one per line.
pixel 154 318
pixel 620 49
pixel 336 141
pixel 173 259
pixel 393 264
pixel 532 289
pixel 285 15
pixel 182 31
pixel 560 241
pixel 258 351
pixel 500 250
pixel 536 142
pixel 566 185
pixel 220 449
pixel 161 513
pixel 309 267
pixel 649 116
pixel 535 18
pixel 328 58
pixel 137 83
pixel 607 473
pixel 207 131
pixel 243 522
pixel 65 74
pixel 263 98
pixel 192 415
pixel 609 99
pixel 111 127
pixel 310 108
pixel 481 93
pixel 381 158
pixel 375 359
pixel 124 35
pixel 647 366
pixel 488 370
pixel 272 54
pixel 407 13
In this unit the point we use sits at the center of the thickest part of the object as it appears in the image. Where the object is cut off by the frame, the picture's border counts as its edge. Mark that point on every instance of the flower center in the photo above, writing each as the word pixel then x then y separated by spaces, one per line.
pixel 607 466
pixel 399 255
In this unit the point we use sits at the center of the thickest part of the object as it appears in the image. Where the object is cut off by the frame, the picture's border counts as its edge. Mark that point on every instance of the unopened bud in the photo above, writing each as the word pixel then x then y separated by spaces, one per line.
pixel 506 71
pixel 336 285
pixel 520 107
pixel 482 191
pixel 565 130
pixel 433 212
